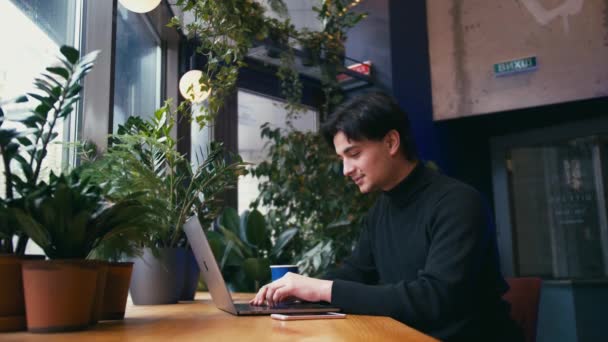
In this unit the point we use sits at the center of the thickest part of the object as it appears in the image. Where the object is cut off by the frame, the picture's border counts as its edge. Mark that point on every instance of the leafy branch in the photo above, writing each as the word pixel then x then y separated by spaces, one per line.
pixel 58 92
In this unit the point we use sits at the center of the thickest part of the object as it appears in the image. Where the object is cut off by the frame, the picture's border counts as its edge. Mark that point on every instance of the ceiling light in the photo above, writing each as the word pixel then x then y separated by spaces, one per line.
pixel 140 6
pixel 190 87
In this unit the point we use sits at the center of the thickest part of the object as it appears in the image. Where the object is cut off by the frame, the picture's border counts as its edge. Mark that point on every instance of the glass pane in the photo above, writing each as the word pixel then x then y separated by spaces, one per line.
pixel 33 31
pixel 199 138
pixel 137 75
pixel 558 193
pixel 300 13
pixel 253 111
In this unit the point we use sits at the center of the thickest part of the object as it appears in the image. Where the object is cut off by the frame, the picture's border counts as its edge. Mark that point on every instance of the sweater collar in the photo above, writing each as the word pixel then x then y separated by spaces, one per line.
pixel 411 184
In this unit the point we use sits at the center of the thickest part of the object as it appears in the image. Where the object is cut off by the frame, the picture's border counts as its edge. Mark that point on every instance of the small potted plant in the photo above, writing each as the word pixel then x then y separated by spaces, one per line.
pixel 69 218
pixel 278 37
pixel 310 42
pixel 143 161
pixel 23 152
pixel 111 254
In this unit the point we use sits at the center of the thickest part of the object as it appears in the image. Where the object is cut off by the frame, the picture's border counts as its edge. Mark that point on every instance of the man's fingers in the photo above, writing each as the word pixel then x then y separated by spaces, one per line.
pixel 271 291
pixel 281 294
pixel 269 294
pixel 260 296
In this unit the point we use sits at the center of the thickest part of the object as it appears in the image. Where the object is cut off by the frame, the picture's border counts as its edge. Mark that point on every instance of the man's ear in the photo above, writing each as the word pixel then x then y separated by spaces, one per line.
pixel 392 141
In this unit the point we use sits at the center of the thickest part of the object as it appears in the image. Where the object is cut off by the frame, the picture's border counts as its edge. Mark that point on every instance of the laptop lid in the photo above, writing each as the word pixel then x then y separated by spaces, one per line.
pixel 208 265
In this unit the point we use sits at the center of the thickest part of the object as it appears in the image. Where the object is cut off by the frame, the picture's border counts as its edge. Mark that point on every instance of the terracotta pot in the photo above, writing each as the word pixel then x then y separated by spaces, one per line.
pixel 117 290
pixel 102 268
pixel 12 307
pixel 59 294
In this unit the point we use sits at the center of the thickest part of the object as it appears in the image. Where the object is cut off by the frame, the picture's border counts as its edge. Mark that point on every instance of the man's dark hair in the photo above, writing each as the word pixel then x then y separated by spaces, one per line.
pixel 371 116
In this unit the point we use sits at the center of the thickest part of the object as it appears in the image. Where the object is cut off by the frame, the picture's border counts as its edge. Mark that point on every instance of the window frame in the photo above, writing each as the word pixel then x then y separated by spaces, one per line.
pixel 98 93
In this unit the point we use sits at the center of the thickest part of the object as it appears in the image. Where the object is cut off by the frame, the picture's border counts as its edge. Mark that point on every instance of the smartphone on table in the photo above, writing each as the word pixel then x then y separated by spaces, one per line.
pixel 299 316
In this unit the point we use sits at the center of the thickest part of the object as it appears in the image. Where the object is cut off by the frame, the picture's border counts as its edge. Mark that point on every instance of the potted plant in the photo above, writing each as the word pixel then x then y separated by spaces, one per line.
pixel 69 218
pixel 12 309
pixel 278 36
pixel 23 152
pixel 143 161
pixel 245 250
pixel 310 42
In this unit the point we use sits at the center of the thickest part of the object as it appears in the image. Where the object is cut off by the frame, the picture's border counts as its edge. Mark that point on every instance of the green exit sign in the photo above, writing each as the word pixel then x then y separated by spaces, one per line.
pixel 515 66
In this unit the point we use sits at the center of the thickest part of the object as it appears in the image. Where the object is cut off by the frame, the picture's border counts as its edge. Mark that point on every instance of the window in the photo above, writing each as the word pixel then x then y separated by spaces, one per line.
pixel 138 61
pixel 550 193
pixel 558 192
pixel 253 111
pixel 37 31
pixel 199 138
pixel 33 31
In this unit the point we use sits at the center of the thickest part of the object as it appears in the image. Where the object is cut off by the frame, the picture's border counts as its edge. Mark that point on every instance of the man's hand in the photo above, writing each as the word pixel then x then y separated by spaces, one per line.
pixel 294 285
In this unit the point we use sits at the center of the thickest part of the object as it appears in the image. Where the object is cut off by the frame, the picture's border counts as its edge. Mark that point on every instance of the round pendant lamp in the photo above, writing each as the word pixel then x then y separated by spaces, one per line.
pixel 190 87
pixel 140 6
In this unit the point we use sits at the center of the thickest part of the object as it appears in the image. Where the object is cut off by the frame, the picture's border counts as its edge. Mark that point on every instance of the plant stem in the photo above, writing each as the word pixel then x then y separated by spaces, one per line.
pixel 46 141
pixel 6 245
pixel 21 244
pixel 9 174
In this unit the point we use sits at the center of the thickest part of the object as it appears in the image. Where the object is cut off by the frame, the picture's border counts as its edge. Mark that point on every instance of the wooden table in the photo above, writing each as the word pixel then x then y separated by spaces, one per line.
pixel 200 320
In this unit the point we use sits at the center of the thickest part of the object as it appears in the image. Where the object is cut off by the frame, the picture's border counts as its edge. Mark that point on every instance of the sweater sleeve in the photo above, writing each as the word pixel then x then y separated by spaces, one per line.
pixel 443 288
pixel 360 266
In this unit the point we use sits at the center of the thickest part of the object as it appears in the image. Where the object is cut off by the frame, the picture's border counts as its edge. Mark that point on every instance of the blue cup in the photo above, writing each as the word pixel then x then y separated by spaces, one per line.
pixel 277 271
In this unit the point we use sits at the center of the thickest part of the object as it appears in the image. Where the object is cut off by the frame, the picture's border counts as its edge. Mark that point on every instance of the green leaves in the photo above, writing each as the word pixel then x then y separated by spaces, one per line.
pixel 230 220
pixel 57 216
pixel 69 218
pixel 71 54
pixel 48 211
pixel 33 229
pixel 303 185
pixel 282 241
pixel 143 159
pixel 7 135
pixel 58 71
pixel 257 269
pixel 58 92
pixel 245 249
pixel 256 232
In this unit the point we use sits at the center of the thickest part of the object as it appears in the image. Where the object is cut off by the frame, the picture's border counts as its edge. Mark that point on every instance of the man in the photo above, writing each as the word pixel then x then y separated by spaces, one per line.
pixel 426 255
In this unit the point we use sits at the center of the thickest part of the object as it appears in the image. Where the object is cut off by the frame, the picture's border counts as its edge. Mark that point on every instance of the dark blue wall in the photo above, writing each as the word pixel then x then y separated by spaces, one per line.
pixel 411 75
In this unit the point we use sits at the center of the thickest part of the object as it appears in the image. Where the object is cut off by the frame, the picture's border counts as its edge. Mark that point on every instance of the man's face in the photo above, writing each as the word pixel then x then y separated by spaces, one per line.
pixel 366 162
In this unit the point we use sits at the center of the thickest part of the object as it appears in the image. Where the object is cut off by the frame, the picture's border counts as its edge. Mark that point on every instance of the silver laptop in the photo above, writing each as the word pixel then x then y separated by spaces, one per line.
pixel 217 287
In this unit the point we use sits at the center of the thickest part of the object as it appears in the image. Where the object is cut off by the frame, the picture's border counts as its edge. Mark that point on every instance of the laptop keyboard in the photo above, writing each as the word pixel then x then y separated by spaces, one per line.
pixel 262 308
pixel 254 308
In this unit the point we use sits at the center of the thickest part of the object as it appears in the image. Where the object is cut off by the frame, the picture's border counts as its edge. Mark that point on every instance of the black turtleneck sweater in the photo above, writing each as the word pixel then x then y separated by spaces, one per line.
pixel 427 257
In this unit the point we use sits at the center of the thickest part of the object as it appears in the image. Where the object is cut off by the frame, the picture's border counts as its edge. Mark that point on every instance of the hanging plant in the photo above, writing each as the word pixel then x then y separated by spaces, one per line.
pixel 226 30
pixel 337 18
